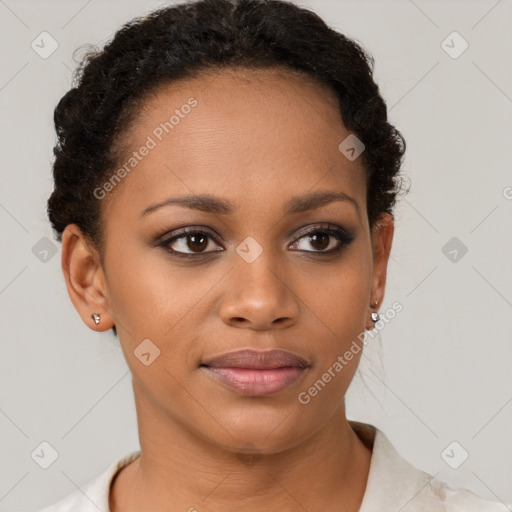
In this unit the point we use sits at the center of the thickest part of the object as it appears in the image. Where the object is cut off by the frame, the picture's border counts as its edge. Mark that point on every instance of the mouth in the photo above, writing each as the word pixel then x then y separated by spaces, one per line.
pixel 255 373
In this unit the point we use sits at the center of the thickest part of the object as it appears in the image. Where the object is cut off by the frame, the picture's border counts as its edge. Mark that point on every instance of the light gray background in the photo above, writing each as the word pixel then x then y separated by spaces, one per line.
pixel 446 358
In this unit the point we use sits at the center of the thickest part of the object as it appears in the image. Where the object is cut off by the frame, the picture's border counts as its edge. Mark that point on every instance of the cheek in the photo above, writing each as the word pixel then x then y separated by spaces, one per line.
pixel 340 307
pixel 146 292
pixel 151 299
pixel 343 311
pixel 338 298
pixel 153 305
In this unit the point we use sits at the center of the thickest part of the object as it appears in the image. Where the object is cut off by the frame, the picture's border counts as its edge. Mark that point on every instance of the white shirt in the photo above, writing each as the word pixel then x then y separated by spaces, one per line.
pixel 393 485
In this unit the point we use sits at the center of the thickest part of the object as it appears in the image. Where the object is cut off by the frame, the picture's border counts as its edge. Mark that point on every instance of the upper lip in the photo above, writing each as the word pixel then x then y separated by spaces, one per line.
pixel 266 360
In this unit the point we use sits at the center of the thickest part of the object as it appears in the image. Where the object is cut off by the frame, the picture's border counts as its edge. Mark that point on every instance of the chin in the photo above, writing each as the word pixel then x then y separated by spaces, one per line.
pixel 264 431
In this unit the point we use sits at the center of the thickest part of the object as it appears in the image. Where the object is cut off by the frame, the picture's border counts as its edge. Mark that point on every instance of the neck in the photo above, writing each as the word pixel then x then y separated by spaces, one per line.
pixel 176 466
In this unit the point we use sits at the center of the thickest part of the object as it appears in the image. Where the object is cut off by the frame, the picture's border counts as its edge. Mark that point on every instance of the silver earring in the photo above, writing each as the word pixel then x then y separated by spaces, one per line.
pixel 375 316
pixel 96 318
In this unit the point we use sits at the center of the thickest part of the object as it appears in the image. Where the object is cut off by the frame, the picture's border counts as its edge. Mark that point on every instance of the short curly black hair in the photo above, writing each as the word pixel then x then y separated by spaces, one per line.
pixel 180 41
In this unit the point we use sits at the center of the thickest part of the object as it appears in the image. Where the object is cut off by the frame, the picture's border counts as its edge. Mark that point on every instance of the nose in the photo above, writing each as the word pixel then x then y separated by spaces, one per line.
pixel 259 296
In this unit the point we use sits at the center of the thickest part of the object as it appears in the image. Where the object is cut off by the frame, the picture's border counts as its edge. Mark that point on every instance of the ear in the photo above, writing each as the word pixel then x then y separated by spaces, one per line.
pixel 382 238
pixel 85 279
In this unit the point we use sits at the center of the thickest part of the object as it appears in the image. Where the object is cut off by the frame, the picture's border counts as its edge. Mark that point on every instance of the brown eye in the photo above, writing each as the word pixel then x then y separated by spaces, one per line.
pixel 190 242
pixel 320 242
pixel 197 242
pixel 324 240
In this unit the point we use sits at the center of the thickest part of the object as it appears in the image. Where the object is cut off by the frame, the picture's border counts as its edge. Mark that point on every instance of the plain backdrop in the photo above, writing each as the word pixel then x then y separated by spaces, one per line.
pixel 439 373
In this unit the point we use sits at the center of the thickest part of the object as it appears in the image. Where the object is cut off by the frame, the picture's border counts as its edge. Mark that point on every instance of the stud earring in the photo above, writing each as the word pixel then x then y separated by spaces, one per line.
pixel 96 318
pixel 375 316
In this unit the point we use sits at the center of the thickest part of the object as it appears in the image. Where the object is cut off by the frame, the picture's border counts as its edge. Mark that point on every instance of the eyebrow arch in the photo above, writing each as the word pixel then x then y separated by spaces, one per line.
pixel 211 204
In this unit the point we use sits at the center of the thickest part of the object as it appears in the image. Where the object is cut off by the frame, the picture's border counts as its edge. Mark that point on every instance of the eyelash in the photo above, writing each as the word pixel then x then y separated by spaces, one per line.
pixel 343 236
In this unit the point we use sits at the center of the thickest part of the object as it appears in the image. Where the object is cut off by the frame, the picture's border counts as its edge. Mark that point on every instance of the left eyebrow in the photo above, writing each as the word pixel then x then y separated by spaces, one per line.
pixel 306 202
pixel 217 205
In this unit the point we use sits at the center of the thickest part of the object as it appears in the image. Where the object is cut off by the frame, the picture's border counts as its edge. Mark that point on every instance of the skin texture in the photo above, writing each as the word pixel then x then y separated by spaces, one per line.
pixel 255 138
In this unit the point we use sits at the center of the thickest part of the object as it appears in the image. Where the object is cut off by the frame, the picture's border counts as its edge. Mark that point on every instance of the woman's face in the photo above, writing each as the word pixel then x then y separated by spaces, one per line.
pixel 262 143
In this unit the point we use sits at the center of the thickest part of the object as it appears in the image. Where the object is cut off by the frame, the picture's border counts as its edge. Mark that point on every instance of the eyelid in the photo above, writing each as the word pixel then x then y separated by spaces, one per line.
pixel 317 226
pixel 329 227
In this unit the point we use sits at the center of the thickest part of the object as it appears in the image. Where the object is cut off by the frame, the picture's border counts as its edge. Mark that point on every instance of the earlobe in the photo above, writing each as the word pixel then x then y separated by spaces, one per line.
pixel 85 279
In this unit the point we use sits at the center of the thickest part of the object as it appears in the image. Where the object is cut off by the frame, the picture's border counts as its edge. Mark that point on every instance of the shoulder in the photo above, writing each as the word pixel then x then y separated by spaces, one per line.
pixel 395 484
pixel 458 499
pixel 94 495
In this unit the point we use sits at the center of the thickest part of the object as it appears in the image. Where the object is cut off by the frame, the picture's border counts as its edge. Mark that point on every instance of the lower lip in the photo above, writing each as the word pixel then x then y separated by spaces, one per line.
pixel 252 382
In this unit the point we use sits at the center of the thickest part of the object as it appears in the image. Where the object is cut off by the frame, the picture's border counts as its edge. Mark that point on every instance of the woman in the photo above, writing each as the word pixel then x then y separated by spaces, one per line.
pixel 225 177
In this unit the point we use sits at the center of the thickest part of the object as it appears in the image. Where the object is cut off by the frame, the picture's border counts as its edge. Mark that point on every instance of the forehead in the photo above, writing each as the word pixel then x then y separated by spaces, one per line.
pixel 251 135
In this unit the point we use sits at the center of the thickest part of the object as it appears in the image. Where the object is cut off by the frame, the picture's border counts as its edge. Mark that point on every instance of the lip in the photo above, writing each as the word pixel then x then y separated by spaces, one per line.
pixel 256 373
pixel 258 360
